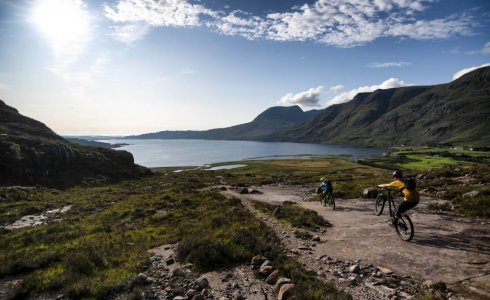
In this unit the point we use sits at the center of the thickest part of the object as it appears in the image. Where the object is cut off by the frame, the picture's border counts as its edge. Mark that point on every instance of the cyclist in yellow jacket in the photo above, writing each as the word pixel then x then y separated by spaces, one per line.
pixel 411 196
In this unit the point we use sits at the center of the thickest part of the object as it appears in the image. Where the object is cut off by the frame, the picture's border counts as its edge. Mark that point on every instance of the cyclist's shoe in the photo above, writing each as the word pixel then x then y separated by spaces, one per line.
pixel 392 222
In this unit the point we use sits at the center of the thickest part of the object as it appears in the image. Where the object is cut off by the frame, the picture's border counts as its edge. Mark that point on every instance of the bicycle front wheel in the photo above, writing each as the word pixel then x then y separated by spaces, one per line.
pixel 404 228
pixel 380 205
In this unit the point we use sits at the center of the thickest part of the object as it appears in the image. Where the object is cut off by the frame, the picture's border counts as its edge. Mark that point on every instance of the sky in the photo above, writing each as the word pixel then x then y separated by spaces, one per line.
pixel 120 67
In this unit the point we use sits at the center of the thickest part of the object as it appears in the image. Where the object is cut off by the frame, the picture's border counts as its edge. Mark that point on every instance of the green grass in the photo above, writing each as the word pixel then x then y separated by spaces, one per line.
pixel 424 162
pixel 293 214
pixel 103 241
pixel 307 286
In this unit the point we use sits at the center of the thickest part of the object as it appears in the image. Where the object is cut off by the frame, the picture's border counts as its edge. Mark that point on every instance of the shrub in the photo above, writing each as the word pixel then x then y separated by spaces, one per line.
pixel 203 252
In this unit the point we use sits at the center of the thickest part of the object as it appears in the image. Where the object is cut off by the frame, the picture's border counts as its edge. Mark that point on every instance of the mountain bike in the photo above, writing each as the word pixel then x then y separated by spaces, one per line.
pixel 404 225
pixel 327 198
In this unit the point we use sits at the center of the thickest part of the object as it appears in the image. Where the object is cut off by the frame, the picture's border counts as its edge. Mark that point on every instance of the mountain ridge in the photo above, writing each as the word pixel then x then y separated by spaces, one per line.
pixel 272 120
pixel 34 154
pixel 450 113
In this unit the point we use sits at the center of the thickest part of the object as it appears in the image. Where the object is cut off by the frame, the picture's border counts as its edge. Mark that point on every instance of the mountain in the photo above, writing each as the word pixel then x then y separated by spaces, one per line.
pixel 33 154
pixel 272 120
pixel 452 113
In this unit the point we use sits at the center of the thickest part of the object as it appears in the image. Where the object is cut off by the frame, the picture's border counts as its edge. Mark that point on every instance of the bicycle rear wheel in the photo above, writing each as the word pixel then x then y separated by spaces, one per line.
pixel 331 202
pixel 380 205
pixel 404 228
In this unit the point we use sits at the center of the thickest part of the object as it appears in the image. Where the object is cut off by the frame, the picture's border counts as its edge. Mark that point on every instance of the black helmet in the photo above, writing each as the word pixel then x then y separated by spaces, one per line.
pixel 397 174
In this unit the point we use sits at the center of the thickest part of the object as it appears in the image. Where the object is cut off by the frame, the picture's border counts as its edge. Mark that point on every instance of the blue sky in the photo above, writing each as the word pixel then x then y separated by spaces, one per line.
pixel 135 66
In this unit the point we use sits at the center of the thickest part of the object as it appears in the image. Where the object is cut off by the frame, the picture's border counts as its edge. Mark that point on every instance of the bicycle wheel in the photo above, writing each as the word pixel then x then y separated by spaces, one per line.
pixel 380 204
pixel 404 228
pixel 323 199
pixel 331 202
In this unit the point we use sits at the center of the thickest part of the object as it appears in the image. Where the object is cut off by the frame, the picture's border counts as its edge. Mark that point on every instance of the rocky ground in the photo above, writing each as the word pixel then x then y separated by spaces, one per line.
pixel 449 257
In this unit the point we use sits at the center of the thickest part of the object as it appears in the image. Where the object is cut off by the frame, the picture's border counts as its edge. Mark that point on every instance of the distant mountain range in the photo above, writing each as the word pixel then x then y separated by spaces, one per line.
pixel 273 120
pixel 452 113
pixel 31 154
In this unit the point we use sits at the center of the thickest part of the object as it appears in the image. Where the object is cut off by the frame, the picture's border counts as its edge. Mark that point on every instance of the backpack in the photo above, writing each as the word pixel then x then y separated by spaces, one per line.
pixel 410 184
pixel 328 186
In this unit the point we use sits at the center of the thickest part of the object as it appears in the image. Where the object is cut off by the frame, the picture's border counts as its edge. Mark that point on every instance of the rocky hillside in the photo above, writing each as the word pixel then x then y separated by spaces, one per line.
pixel 452 113
pixel 33 154
pixel 272 120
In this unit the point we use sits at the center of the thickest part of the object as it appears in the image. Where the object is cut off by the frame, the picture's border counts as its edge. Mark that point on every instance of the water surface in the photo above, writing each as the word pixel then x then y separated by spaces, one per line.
pixel 175 153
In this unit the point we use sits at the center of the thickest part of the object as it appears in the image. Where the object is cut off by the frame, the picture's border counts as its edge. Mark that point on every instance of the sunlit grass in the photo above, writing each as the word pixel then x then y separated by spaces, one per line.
pixel 95 248
pixel 424 162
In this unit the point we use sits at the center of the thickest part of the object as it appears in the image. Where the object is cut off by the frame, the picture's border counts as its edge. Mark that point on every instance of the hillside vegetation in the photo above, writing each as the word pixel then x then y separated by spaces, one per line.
pixel 453 113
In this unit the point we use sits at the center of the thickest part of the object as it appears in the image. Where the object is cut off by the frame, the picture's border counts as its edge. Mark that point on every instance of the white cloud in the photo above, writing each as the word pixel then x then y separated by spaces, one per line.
pixel 486 48
pixel 130 33
pixel 347 96
pixel 176 13
pixel 347 23
pixel 309 98
pixel 3 86
pixel 337 88
pixel 454 25
pixel 391 64
pixel 467 70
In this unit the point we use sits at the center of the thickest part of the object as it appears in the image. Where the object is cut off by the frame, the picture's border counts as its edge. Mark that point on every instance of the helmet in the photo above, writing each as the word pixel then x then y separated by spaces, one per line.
pixel 323 179
pixel 397 174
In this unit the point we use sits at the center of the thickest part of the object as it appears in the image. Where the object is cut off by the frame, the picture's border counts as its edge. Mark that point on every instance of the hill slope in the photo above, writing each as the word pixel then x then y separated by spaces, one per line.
pixel 454 113
pixel 33 154
pixel 272 120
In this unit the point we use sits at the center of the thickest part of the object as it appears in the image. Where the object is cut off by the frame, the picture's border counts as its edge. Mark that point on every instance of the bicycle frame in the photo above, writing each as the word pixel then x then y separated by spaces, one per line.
pixel 403 224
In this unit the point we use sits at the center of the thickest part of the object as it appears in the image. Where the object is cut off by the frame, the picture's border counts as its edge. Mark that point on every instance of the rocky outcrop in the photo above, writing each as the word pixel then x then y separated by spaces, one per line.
pixel 32 154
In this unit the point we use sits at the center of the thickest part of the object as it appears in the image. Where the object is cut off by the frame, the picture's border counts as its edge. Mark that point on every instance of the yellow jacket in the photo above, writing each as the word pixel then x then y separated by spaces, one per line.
pixel 410 196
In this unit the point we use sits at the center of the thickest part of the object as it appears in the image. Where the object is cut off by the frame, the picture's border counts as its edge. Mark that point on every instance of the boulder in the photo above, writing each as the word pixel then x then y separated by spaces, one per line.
pixel 280 282
pixel 170 260
pixel 202 282
pixel 272 278
pixel 370 192
pixel 471 194
pixel 285 291
pixel 266 270
pixel 244 191
pixel 258 260
pixel 385 271
pixel 354 269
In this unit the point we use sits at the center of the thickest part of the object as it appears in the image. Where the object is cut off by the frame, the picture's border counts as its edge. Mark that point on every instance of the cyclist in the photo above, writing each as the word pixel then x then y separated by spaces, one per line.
pixel 325 186
pixel 411 196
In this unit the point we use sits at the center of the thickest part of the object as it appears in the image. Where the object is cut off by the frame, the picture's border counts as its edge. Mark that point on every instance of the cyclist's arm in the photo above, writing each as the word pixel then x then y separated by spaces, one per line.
pixel 383 185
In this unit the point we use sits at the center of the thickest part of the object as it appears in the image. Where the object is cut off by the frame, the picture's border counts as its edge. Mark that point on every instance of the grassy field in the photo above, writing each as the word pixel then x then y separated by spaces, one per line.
pixel 96 248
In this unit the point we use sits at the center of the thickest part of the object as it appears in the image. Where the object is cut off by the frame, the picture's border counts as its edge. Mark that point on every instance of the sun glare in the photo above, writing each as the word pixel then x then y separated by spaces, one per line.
pixel 64 23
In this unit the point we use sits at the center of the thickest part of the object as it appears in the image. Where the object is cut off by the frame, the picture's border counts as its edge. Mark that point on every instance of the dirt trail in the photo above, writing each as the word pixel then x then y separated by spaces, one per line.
pixel 449 249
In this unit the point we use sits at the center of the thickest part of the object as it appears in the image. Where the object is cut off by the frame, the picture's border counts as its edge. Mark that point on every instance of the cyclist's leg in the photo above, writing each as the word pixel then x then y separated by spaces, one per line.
pixel 405 206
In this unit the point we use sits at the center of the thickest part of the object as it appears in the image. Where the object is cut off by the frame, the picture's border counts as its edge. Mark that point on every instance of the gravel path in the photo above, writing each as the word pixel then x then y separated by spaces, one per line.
pixel 448 249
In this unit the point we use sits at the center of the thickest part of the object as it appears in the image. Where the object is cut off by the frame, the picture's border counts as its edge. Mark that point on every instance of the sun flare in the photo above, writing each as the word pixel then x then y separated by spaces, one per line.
pixel 64 23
